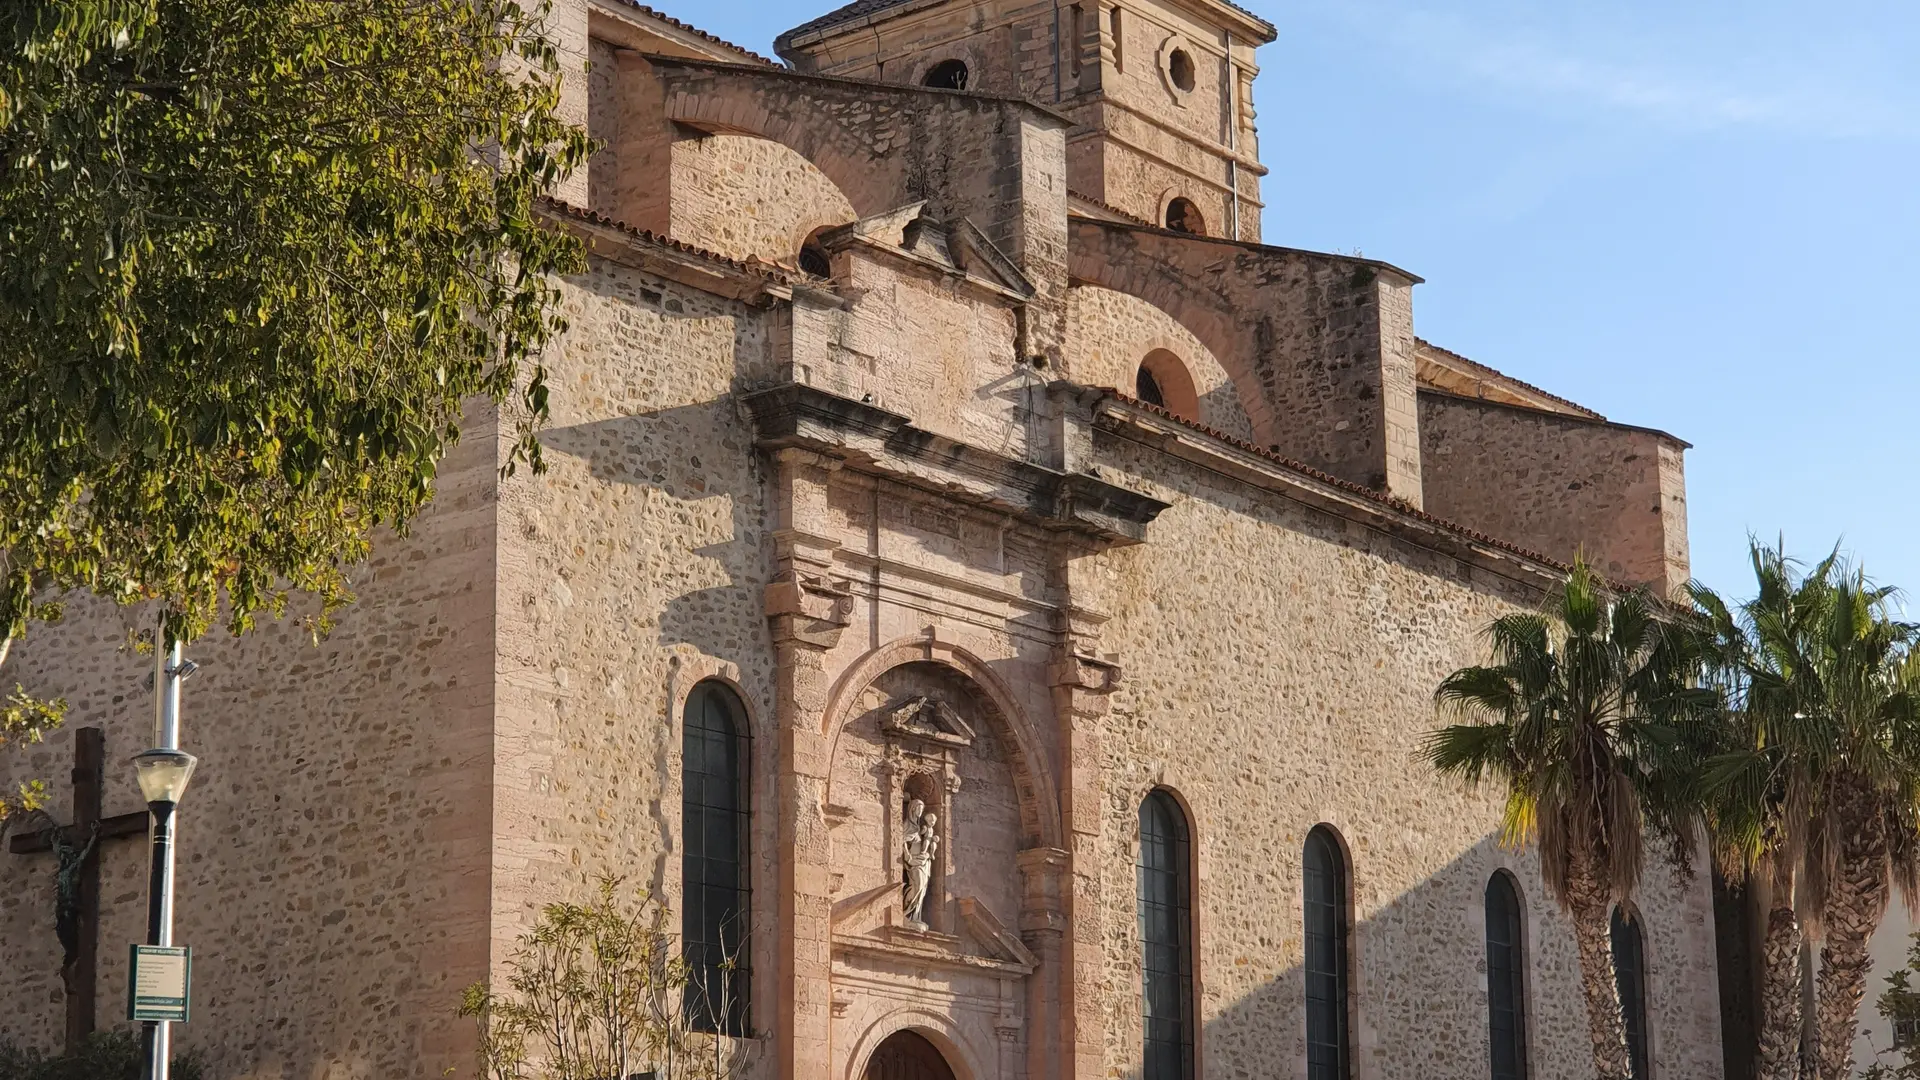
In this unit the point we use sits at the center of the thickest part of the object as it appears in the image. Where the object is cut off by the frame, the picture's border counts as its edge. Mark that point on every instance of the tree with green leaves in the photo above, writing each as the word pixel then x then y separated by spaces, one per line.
pixel 1899 1005
pixel 259 254
pixel 1584 717
pixel 1818 784
pixel 599 989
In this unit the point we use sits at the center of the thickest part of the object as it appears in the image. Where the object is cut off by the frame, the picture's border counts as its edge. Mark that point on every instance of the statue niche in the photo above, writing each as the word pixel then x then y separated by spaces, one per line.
pixel 924 787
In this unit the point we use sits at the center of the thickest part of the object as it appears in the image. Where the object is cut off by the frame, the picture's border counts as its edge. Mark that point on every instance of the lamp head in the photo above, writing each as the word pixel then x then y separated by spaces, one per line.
pixel 163 774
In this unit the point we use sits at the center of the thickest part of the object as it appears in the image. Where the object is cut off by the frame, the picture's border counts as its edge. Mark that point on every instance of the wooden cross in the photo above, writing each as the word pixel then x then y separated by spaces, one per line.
pixel 80 930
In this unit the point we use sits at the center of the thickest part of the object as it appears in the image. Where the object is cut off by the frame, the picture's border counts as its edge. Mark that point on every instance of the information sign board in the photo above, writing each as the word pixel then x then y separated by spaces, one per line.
pixel 161 982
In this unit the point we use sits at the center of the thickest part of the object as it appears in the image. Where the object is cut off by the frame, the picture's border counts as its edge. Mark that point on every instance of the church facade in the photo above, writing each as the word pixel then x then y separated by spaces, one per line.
pixel 978 583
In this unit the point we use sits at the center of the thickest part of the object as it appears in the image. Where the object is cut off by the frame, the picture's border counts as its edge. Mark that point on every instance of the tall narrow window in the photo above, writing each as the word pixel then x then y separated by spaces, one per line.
pixel 1506 980
pixel 1166 939
pixel 1119 42
pixel 714 814
pixel 1630 968
pixel 1076 37
pixel 1326 968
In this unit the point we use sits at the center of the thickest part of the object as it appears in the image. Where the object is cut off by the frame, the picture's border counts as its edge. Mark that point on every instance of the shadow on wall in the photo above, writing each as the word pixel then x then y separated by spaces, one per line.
pixel 652 451
pixel 1417 993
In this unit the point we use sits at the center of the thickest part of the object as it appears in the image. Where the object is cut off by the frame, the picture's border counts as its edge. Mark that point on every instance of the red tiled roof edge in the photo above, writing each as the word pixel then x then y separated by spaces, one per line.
pixel 688 27
pixel 1471 362
pixel 746 266
pixel 1107 206
pixel 1399 505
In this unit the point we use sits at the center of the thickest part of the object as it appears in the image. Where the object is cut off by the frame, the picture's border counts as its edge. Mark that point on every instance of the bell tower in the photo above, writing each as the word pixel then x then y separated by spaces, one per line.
pixel 1162 89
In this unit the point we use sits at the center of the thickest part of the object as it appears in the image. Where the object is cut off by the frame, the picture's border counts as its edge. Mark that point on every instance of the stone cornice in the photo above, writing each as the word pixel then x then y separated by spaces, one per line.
pixel 872 439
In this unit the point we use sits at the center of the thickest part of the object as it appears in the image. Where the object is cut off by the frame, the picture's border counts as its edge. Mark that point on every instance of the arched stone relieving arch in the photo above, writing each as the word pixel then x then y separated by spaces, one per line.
pixel 883 145
pixel 1032 768
pixel 942 1032
pixel 1314 343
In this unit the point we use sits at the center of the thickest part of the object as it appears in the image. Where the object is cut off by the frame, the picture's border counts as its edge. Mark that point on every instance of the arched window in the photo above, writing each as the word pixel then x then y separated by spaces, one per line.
pixel 1325 883
pixel 714 814
pixel 1147 388
pixel 1163 380
pixel 1166 939
pixel 947 75
pixel 1630 968
pixel 1506 980
pixel 814 258
pixel 1184 216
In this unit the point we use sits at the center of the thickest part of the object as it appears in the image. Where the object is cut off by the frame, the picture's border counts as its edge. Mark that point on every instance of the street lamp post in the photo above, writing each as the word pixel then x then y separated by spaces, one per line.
pixel 163 773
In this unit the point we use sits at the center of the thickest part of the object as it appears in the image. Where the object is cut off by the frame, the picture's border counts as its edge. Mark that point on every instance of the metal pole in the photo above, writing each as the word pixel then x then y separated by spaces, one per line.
pixel 158 1040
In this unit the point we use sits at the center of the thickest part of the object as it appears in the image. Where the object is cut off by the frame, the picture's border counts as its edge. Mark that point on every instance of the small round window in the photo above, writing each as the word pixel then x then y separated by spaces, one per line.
pixel 1180 70
pixel 947 75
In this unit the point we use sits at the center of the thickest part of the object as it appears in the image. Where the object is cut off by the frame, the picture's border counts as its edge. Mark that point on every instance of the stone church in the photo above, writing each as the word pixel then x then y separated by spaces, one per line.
pixel 978 582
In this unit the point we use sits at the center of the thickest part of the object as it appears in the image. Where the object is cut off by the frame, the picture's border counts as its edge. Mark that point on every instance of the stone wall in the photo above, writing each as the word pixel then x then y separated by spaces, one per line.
pixel 1146 139
pixel 1235 700
pixel 334 846
pixel 1320 347
pixel 1560 484
pixel 629 572
pixel 922 344
pixel 750 198
pixel 1109 333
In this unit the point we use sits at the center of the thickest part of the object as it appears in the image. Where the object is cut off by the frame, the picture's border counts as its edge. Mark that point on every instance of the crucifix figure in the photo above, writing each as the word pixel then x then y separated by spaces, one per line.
pixel 77 878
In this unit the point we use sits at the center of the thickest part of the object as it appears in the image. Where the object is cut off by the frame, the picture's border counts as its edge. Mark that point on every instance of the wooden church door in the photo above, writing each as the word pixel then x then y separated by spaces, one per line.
pixel 907 1056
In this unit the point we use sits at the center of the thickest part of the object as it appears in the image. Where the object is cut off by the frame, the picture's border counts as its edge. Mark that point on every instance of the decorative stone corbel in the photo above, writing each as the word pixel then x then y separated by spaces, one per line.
pixel 1083 672
pixel 809 609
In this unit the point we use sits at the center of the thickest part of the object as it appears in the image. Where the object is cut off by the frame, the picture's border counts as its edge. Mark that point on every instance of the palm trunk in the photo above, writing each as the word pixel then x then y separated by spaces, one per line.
pixel 1780 991
pixel 1590 904
pixel 1856 900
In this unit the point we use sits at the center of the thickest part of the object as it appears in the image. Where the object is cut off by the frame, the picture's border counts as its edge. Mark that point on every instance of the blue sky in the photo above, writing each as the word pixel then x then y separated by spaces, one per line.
pixel 1701 216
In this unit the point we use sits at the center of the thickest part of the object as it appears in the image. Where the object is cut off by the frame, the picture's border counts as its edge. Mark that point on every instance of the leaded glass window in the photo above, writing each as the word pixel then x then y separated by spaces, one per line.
pixel 1506 980
pixel 1326 967
pixel 714 816
pixel 1166 939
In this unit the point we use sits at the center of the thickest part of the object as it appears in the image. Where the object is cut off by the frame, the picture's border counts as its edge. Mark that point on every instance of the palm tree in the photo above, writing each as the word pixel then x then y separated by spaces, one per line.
pixel 1817 789
pixel 1756 787
pixel 1584 717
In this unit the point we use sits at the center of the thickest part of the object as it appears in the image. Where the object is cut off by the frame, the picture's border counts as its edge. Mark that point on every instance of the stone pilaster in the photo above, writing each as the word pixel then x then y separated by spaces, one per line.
pixel 1082 683
pixel 807 610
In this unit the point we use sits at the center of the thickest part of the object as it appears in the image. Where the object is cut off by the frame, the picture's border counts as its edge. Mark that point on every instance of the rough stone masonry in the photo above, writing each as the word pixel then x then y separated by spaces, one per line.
pixel 898 416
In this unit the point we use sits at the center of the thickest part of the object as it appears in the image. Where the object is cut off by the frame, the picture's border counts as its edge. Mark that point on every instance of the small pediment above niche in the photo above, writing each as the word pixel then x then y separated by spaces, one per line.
pixel 928 720
pixel 948 246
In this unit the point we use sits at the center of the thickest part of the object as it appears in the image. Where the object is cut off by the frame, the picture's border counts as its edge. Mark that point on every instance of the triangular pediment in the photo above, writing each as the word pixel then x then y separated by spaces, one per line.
pixel 955 247
pixel 927 718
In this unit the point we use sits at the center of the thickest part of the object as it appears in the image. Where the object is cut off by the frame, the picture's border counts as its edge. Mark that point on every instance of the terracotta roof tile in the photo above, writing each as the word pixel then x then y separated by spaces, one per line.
pixel 1396 504
pixel 1108 207
pixel 753 266
pixel 689 28
pixel 1504 377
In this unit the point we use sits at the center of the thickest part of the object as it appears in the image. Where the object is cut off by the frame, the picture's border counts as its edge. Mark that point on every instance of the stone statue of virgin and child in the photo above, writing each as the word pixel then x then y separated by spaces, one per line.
pixel 923 843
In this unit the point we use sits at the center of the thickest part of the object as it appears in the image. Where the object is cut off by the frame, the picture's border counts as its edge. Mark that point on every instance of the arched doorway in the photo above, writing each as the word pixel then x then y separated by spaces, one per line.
pixel 907 1055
